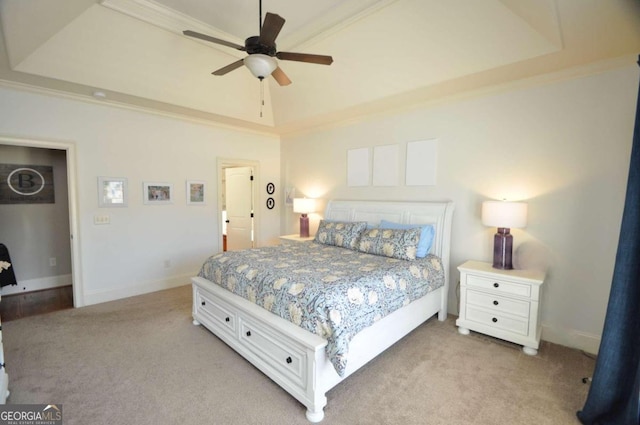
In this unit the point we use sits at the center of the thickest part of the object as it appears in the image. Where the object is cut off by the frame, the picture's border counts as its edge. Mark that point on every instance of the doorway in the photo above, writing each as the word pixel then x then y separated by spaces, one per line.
pixel 69 153
pixel 237 180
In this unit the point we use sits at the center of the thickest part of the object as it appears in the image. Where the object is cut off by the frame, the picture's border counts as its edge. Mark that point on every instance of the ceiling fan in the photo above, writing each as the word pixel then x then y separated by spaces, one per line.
pixel 262 51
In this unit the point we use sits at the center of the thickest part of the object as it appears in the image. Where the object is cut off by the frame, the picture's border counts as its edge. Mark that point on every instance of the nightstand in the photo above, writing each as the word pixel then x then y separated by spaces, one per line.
pixel 295 238
pixel 501 303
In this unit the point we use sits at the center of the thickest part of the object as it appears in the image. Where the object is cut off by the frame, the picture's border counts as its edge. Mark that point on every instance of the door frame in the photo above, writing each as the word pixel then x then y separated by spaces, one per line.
pixel 70 149
pixel 223 163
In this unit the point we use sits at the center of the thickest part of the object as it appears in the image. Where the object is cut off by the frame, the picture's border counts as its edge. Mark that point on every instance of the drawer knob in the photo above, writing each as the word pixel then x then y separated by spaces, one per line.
pixel 226 319
pixel 496 285
pixel 289 360
pixel 495 302
pixel 494 320
pixel 202 302
pixel 248 333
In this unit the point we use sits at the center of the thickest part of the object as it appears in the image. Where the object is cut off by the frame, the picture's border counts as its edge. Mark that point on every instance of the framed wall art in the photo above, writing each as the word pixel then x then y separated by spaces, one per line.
pixel 289 194
pixel 195 192
pixel 155 193
pixel 112 192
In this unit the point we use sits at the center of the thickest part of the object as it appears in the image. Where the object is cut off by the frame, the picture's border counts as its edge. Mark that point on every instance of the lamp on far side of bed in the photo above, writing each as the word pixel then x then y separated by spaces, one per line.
pixel 503 215
pixel 304 206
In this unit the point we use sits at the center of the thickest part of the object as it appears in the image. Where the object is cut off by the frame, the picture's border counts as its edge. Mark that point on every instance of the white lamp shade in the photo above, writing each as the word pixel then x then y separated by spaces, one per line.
pixel 260 65
pixel 504 214
pixel 304 205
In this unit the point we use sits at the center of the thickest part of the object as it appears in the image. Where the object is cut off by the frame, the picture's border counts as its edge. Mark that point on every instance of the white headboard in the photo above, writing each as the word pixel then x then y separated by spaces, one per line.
pixel 439 214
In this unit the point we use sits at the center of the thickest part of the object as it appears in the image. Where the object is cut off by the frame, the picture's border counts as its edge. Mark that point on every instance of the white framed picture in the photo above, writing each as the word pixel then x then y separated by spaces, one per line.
pixel 112 192
pixel 155 193
pixel 195 192
pixel 289 194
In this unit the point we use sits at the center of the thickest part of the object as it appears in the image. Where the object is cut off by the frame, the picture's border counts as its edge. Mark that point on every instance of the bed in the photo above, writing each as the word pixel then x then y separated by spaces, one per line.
pixel 305 363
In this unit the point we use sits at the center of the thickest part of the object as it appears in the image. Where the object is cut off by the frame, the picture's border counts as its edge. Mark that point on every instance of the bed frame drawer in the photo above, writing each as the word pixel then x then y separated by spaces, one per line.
pixel 276 350
pixel 220 315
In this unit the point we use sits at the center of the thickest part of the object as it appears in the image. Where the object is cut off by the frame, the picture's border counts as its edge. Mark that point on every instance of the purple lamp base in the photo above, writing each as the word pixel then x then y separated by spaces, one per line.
pixel 502 249
pixel 304 226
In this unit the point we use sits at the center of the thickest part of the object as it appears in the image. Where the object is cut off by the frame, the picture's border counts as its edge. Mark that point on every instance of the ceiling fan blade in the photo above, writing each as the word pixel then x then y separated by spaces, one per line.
pixel 212 39
pixel 225 69
pixel 281 77
pixel 270 29
pixel 305 57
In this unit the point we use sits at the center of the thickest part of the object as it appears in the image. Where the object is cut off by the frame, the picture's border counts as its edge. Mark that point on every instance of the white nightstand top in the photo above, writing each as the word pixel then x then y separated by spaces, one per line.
pixel 296 238
pixel 479 267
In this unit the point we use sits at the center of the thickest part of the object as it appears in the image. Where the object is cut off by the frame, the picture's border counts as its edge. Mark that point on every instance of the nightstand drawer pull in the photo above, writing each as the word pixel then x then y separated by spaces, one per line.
pixel 496 285
pixel 494 320
pixel 289 360
pixel 203 303
pixel 226 319
pixel 495 302
pixel 248 333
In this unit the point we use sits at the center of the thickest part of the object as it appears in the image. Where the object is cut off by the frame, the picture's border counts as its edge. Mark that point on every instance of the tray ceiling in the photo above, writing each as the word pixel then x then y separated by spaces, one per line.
pixel 386 52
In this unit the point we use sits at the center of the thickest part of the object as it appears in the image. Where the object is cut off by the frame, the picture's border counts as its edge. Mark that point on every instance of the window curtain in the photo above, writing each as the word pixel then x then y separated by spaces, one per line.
pixel 614 394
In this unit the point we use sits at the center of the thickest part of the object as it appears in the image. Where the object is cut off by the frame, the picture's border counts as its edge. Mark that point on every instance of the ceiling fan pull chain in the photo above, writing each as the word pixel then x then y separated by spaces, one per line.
pixel 261 95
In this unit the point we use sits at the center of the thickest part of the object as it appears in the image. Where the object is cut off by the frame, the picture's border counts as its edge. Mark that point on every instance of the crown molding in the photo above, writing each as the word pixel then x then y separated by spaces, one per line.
pixel 323 26
pixel 333 21
pixel 194 117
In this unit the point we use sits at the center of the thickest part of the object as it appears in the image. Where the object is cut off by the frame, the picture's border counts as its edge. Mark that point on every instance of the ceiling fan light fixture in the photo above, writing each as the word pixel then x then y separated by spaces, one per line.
pixel 260 65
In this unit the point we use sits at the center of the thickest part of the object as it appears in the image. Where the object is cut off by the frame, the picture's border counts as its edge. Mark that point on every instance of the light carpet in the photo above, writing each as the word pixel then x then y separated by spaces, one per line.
pixel 140 361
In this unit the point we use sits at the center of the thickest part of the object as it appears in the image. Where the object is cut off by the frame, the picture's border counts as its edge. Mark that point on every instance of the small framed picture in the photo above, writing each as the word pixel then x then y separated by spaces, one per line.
pixel 155 193
pixel 195 192
pixel 289 194
pixel 112 192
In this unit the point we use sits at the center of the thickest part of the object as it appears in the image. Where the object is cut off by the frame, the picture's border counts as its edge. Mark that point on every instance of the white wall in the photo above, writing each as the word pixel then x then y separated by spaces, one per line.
pixel 128 256
pixel 563 147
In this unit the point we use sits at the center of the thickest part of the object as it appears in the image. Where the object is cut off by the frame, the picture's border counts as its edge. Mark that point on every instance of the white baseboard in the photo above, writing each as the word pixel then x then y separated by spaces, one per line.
pixel 589 343
pixel 101 296
pixel 37 284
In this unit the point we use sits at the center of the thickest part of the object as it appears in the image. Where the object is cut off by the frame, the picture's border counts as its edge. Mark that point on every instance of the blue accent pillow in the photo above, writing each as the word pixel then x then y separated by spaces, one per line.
pixel 426 235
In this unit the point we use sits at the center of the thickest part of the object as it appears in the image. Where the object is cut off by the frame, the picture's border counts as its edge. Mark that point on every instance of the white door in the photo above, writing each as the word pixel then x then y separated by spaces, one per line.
pixel 239 197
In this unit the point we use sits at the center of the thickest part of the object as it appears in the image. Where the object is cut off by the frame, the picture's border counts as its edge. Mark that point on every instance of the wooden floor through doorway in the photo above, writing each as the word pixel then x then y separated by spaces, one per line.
pixel 16 306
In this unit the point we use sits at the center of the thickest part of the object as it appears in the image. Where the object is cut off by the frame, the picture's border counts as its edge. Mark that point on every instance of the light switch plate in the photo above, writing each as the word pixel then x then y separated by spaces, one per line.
pixel 101 219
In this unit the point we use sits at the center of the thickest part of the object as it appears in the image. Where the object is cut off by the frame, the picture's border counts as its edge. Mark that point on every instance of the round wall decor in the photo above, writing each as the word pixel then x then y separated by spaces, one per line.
pixel 270 203
pixel 271 188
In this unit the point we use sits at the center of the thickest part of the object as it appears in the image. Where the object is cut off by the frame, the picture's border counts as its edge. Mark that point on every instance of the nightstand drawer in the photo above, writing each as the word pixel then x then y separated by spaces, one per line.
pixel 499 304
pixel 499 285
pixel 498 321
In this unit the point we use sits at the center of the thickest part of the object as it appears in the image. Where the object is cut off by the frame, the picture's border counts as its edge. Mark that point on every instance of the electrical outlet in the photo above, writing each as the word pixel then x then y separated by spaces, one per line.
pixel 101 219
pixel 53 262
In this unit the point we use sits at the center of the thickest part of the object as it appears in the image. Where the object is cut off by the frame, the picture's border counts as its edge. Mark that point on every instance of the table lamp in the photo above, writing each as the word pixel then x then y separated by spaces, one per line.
pixel 503 215
pixel 304 206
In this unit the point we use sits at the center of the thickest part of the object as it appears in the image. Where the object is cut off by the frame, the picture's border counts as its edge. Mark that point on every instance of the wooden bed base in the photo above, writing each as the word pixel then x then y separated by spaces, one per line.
pixel 294 358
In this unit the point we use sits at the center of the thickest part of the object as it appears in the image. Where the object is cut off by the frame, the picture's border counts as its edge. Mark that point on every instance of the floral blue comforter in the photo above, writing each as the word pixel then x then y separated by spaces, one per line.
pixel 330 291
